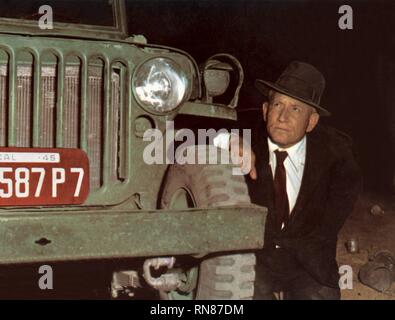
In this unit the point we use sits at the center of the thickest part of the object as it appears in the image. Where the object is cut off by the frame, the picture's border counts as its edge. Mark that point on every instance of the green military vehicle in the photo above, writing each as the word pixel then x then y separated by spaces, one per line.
pixel 76 101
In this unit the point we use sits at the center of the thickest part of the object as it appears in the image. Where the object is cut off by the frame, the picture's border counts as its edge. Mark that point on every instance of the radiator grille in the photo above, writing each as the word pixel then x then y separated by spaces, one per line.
pixel 66 115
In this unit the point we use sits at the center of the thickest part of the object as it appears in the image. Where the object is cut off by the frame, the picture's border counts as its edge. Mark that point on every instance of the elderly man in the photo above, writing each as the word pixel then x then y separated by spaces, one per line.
pixel 307 177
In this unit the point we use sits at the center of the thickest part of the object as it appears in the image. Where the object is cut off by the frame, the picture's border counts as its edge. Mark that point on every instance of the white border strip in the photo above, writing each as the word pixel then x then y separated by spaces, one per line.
pixel 29 157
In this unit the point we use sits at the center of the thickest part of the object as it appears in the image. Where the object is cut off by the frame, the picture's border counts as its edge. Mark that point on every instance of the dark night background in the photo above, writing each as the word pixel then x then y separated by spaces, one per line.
pixel 359 66
pixel 266 35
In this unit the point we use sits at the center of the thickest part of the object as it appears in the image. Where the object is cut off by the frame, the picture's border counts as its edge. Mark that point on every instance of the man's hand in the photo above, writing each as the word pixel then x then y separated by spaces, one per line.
pixel 243 155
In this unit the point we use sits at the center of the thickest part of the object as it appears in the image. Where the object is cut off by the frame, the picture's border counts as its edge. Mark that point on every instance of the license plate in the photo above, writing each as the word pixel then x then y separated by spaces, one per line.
pixel 43 176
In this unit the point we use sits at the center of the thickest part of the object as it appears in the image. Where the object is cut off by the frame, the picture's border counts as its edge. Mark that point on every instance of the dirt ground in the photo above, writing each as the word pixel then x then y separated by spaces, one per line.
pixel 374 232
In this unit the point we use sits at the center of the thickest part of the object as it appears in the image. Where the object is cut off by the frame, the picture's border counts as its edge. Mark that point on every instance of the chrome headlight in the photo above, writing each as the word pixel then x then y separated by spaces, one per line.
pixel 160 84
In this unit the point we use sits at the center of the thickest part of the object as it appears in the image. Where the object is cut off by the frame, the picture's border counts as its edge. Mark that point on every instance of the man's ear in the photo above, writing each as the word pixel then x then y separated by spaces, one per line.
pixel 313 120
pixel 265 107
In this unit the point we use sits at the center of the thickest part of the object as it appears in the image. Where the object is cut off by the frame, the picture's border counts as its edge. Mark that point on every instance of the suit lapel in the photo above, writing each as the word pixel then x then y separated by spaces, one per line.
pixel 314 165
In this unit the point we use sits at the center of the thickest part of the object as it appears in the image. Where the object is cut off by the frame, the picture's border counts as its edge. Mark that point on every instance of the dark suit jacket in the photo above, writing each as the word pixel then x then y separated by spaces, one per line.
pixel 330 186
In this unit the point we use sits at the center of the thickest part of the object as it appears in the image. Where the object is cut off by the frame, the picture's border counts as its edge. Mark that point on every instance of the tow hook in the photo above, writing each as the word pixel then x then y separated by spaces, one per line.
pixel 167 281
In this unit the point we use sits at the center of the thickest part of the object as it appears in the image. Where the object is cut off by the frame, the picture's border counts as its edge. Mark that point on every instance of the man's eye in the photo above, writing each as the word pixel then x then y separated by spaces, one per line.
pixel 296 109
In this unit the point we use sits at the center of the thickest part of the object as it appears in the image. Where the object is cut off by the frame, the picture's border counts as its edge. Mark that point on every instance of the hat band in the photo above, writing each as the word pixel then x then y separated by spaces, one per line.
pixel 299 88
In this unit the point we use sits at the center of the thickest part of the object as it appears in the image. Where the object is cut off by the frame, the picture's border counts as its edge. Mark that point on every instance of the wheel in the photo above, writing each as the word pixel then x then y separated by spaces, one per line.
pixel 198 186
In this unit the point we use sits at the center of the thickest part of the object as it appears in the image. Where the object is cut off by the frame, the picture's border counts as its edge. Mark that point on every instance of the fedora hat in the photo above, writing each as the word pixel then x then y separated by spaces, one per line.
pixel 300 81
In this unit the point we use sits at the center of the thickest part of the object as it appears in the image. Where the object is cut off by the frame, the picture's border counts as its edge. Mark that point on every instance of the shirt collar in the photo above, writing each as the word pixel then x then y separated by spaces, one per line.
pixel 296 153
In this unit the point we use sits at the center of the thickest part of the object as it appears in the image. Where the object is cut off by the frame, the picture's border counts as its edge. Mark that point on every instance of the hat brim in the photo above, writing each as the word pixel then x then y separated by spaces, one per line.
pixel 265 86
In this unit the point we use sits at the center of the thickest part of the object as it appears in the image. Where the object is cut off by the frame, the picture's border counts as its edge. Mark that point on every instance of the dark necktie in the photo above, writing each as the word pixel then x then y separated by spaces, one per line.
pixel 280 190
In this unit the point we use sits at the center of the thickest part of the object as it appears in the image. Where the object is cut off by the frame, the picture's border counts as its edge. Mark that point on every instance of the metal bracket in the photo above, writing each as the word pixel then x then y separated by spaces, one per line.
pixel 167 281
pixel 122 280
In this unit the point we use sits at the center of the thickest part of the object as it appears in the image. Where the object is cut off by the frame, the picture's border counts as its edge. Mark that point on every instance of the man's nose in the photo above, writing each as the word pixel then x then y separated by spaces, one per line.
pixel 283 116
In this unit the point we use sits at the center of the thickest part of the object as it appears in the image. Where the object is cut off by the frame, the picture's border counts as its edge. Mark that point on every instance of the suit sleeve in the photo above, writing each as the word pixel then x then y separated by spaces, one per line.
pixel 343 190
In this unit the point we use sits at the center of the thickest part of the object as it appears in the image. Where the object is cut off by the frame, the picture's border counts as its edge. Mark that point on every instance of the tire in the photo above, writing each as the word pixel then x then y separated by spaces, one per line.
pixel 222 277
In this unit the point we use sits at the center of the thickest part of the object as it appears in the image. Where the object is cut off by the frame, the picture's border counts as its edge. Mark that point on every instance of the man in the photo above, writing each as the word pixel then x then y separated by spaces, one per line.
pixel 307 177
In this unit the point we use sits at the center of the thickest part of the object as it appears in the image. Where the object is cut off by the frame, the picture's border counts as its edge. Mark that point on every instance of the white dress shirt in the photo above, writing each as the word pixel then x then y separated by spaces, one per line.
pixel 294 167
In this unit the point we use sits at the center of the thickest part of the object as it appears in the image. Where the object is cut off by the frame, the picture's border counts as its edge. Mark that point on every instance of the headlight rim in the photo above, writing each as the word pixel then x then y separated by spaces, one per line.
pixel 151 110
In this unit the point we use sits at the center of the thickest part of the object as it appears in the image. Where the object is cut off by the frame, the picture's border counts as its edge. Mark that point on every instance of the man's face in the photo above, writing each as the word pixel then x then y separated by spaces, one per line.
pixel 288 119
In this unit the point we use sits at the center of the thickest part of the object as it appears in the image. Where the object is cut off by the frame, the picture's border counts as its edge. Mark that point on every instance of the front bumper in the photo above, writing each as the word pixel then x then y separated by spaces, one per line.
pixel 38 235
